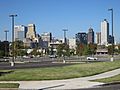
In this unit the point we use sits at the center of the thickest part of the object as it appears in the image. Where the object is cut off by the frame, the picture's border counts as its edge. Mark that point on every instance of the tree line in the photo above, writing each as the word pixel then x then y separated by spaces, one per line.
pixel 62 49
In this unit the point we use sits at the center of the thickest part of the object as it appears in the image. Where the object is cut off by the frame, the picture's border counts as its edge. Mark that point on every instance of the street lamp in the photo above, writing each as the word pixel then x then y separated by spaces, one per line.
pixel 6 31
pixel 13 53
pixel 6 42
pixel 64 55
pixel 112 33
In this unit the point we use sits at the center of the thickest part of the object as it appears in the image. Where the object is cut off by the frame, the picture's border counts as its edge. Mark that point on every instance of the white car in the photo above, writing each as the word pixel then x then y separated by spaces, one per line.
pixel 91 58
pixel 53 56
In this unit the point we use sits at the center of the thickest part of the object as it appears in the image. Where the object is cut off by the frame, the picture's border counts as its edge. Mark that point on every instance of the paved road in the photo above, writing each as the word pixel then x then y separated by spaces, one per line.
pixel 42 62
pixel 31 65
pixel 72 58
pixel 108 87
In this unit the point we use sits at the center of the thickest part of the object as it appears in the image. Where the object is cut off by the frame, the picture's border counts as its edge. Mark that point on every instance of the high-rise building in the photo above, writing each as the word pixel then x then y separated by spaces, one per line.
pixel 90 36
pixel 46 36
pixel 104 32
pixel 111 39
pixel 98 38
pixel 31 33
pixel 81 38
pixel 20 32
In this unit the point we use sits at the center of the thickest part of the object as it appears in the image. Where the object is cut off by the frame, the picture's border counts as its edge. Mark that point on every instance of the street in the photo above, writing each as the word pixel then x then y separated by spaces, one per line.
pixel 107 87
pixel 47 62
pixel 6 65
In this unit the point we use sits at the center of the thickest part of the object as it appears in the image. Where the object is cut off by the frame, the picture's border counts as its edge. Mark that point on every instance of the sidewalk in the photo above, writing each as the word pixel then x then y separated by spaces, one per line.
pixel 75 83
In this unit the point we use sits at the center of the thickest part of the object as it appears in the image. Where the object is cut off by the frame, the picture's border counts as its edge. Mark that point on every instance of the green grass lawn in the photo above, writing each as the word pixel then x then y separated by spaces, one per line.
pixel 9 85
pixel 64 72
pixel 110 80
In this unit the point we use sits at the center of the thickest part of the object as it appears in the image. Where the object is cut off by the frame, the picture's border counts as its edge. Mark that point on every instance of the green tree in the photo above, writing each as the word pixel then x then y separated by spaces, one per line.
pixel 18 48
pixel 93 48
pixel 63 50
pixel 21 52
pixel 72 51
pixel 35 52
pixel 87 50
pixel 1 53
pixel 119 48
pixel 67 50
pixel 110 49
pixel 80 49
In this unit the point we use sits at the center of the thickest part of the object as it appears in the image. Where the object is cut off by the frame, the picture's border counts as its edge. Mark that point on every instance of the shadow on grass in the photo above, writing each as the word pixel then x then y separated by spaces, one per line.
pixel 5 72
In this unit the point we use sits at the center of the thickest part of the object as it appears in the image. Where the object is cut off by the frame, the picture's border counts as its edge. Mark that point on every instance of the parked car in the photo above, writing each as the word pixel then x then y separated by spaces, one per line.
pixel 92 58
pixel 26 57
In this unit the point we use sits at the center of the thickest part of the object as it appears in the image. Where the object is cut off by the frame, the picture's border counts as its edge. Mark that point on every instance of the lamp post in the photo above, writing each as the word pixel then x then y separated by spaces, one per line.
pixel 6 42
pixel 64 55
pixel 65 39
pixel 112 33
pixel 6 31
pixel 13 53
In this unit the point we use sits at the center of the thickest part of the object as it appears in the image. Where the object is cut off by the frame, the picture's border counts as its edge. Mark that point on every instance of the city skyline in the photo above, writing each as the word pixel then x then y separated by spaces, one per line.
pixel 55 15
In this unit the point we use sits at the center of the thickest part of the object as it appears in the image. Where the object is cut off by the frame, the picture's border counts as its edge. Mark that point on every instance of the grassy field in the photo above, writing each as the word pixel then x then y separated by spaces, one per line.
pixel 110 80
pixel 64 72
pixel 9 85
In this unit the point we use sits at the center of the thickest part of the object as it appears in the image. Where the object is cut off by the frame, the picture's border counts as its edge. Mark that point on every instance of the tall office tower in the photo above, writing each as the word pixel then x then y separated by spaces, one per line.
pixel 98 38
pixel 31 33
pixel 19 32
pixel 81 38
pixel 90 36
pixel 46 36
pixel 111 39
pixel 104 32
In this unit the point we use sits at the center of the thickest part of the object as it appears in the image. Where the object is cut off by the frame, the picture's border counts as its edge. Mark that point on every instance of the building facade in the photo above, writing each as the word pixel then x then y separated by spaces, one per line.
pixel 90 36
pixel 31 32
pixel 46 36
pixel 20 32
pixel 104 32
pixel 72 43
pixel 111 39
pixel 81 38
pixel 98 38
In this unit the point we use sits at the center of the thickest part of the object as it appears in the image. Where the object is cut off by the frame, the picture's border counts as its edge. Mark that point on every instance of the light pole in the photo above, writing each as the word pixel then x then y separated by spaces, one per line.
pixel 65 39
pixel 13 53
pixel 6 31
pixel 6 42
pixel 112 33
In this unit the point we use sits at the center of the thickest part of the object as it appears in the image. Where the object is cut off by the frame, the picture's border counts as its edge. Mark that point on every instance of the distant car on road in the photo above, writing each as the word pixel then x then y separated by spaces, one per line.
pixel 26 57
pixel 92 58
pixel 53 56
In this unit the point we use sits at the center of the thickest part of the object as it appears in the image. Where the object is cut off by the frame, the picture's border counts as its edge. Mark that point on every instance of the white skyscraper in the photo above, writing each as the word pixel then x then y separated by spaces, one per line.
pixel 104 32
pixel 98 38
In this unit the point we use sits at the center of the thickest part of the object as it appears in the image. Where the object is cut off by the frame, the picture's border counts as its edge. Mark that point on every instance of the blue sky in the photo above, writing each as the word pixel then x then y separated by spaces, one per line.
pixel 55 15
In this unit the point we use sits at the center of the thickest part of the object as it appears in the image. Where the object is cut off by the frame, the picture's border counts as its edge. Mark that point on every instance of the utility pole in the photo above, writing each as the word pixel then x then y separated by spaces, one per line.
pixel 6 42
pixel 65 39
pixel 112 33
pixel 6 31
pixel 13 49
pixel 65 42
